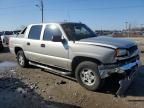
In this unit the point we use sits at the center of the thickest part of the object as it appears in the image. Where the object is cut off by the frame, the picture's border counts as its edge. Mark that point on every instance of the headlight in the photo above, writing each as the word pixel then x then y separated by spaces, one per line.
pixel 121 52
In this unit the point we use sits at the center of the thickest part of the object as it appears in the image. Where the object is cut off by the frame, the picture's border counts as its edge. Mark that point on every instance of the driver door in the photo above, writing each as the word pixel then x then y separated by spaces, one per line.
pixel 53 53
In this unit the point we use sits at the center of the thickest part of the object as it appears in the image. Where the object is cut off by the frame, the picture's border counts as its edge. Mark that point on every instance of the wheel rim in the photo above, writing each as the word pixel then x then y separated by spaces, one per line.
pixel 88 77
pixel 21 60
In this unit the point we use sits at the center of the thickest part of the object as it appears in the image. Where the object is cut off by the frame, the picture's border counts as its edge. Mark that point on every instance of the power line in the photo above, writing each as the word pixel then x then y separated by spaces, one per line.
pixel 80 9
pixel 106 8
pixel 12 7
pixel 96 9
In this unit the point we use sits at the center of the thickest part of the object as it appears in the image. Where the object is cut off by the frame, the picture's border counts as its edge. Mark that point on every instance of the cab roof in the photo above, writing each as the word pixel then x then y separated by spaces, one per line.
pixel 58 23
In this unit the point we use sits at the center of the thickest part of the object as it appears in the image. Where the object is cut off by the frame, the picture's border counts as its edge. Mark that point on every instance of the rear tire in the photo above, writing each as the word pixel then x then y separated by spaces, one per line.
pixel 87 75
pixel 21 59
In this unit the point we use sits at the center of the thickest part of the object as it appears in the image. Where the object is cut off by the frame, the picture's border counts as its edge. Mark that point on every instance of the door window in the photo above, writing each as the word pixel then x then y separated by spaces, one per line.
pixel 50 31
pixel 35 32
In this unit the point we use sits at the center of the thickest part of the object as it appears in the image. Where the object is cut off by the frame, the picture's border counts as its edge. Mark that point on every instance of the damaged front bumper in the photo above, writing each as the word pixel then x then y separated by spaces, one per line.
pixel 126 69
pixel 129 72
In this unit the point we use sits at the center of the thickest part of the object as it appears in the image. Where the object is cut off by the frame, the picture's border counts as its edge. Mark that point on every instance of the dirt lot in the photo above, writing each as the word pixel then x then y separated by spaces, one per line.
pixel 34 88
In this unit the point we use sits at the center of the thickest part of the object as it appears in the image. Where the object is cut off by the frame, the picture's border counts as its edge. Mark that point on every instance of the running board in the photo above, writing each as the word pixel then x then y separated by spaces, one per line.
pixel 50 69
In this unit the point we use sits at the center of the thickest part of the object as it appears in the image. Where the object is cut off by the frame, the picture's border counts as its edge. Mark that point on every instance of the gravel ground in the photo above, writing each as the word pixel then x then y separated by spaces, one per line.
pixel 33 88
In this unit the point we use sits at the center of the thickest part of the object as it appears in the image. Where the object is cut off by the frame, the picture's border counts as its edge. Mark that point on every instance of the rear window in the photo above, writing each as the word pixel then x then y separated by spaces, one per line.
pixel 35 32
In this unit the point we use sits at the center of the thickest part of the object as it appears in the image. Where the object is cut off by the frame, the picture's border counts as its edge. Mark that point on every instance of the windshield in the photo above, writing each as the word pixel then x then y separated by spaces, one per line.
pixel 77 31
pixel 8 33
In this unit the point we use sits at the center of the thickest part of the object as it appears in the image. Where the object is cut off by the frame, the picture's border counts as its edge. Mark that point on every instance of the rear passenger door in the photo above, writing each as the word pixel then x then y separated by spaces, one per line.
pixel 32 43
pixel 54 53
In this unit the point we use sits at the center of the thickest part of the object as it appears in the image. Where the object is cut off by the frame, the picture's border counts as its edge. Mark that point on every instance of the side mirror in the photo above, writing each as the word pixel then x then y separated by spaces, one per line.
pixel 56 39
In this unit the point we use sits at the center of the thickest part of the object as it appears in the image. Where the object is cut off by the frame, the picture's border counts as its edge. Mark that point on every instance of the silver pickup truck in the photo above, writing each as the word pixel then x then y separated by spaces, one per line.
pixel 74 49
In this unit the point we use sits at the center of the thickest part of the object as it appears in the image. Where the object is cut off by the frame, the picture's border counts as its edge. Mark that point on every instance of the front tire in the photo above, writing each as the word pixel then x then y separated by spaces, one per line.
pixel 21 59
pixel 87 75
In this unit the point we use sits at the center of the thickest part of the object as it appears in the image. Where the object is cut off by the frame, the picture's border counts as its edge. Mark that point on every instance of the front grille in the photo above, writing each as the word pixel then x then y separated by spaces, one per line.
pixel 120 63
pixel 132 49
pixel 129 60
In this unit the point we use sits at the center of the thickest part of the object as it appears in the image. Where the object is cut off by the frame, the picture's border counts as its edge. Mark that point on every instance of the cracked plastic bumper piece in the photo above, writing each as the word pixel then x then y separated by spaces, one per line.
pixel 132 70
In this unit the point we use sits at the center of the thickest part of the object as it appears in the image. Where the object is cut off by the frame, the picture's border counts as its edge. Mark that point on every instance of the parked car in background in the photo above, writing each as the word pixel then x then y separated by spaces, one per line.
pixel 1 33
pixel 5 37
pixel 142 33
pixel 1 45
pixel 16 32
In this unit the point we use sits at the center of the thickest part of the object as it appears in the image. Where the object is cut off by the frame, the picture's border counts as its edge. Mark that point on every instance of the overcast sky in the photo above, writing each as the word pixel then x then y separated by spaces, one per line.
pixel 97 14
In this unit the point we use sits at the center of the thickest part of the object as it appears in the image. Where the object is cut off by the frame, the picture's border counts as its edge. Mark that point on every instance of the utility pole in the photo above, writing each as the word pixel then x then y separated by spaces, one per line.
pixel 129 30
pixel 41 6
pixel 126 28
pixel 126 24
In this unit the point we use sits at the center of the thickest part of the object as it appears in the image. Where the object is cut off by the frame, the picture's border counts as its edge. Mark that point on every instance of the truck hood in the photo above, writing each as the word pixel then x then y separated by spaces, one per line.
pixel 109 42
